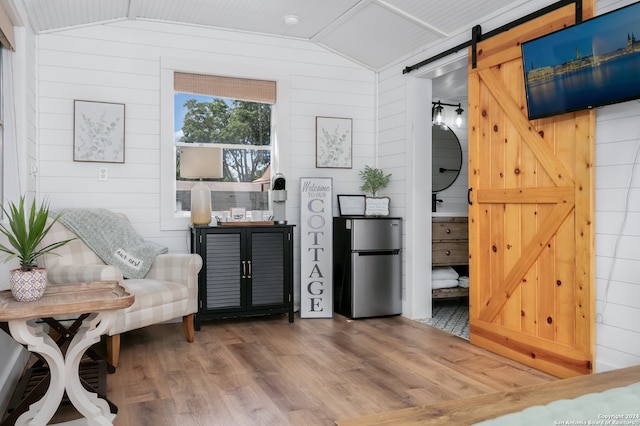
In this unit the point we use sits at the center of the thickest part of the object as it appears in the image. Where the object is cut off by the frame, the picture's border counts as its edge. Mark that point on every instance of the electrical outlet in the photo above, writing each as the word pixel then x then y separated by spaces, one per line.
pixel 103 174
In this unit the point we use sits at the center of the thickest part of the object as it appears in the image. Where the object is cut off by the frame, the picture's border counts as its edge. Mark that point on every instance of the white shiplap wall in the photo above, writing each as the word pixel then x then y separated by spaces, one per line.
pixel 617 230
pixel 120 62
pixel 618 235
pixel 617 197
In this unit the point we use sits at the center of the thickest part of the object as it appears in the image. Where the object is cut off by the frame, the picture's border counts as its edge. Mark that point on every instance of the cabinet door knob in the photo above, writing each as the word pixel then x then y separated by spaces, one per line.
pixel 448 231
pixel 249 274
pixel 244 269
pixel 447 252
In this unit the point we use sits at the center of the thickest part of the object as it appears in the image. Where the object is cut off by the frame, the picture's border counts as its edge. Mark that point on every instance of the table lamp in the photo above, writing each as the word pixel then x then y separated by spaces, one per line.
pixel 200 162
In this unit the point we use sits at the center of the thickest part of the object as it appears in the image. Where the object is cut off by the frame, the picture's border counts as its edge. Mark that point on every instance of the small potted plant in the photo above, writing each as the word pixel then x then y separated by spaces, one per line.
pixel 24 234
pixel 373 180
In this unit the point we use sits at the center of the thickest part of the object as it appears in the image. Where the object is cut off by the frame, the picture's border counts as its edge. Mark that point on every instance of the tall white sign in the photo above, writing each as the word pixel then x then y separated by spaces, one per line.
pixel 316 253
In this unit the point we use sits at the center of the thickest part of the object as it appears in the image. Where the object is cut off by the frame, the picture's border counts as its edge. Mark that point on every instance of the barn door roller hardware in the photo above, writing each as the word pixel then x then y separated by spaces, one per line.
pixel 477 36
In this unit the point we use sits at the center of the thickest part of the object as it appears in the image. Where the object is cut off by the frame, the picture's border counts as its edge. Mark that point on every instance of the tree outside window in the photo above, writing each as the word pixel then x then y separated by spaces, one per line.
pixel 243 130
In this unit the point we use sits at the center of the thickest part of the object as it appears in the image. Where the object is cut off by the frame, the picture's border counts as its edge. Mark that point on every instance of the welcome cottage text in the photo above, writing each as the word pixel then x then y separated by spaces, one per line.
pixel 317 196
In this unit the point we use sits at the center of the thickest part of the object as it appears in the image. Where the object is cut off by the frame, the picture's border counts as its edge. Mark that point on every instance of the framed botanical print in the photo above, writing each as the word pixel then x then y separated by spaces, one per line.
pixel 98 132
pixel 333 142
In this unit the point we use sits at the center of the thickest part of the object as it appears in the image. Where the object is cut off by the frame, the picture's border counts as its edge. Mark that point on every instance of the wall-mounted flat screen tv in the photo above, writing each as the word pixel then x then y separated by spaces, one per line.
pixel 594 63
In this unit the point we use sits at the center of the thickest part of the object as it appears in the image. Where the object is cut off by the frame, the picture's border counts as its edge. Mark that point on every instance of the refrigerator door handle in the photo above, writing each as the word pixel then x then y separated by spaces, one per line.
pixel 378 253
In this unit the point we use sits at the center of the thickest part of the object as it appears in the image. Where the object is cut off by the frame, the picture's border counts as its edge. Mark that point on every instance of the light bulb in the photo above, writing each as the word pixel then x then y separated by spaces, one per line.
pixel 459 117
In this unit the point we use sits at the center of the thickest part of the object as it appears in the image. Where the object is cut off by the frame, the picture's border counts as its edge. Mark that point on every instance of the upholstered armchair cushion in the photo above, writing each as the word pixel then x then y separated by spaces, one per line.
pixel 169 290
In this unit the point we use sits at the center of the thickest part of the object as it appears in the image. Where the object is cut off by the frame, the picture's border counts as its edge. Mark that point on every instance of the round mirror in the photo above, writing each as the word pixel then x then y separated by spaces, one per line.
pixel 447 157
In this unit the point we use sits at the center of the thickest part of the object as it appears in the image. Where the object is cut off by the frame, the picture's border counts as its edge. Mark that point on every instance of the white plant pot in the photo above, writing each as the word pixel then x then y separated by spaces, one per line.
pixel 28 286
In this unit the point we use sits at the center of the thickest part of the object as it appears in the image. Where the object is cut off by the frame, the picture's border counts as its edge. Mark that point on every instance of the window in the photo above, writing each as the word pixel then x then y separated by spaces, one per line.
pixel 234 114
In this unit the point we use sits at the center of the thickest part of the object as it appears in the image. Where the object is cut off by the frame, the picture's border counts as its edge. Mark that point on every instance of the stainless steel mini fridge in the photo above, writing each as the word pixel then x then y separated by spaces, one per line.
pixel 367 266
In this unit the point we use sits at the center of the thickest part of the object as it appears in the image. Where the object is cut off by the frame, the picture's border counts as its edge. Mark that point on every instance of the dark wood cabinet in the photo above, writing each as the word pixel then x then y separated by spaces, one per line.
pixel 247 270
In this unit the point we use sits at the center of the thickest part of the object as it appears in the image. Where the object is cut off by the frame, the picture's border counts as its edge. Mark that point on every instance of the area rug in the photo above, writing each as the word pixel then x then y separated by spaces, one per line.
pixel 451 315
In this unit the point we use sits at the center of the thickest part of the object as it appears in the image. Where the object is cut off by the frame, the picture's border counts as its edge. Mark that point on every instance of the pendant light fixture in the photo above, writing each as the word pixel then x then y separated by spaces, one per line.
pixel 437 113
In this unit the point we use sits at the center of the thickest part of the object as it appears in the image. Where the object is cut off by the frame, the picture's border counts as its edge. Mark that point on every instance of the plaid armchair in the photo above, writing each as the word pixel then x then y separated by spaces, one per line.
pixel 168 291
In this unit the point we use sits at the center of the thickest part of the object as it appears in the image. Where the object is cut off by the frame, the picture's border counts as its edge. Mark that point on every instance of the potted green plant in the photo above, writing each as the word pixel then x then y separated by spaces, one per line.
pixel 373 180
pixel 24 234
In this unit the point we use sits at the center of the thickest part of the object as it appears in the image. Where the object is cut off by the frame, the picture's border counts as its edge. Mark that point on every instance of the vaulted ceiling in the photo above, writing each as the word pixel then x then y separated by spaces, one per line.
pixel 373 33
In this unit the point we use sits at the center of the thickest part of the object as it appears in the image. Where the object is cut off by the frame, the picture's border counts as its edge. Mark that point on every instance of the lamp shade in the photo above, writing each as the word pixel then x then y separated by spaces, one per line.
pixel 200 162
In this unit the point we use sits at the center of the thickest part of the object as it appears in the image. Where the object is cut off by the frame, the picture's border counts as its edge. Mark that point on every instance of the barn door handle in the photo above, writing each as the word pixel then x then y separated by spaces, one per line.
pixel 469 196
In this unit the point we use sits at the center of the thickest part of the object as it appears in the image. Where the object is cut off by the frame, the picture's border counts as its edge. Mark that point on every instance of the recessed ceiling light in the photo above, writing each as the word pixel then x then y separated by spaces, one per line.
pixel 291 20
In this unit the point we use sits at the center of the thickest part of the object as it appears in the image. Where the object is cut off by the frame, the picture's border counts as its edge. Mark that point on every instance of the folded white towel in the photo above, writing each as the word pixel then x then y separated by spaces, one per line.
pixel 436 284
pixel 443 273
pixel 463 282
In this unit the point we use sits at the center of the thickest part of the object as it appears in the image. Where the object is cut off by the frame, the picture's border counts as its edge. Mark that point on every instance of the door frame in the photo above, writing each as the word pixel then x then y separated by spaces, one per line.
pixel 418 233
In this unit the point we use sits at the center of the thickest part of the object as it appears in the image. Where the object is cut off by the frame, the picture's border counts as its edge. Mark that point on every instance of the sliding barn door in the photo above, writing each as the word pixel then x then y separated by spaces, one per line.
pixel 531 227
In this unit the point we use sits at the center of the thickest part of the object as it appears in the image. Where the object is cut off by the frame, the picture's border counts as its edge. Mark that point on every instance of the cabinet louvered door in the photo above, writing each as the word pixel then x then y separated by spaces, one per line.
pixel 267 269
pixel 223 271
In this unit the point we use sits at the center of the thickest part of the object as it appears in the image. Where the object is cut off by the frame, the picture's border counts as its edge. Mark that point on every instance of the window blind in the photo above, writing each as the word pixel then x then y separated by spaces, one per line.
pixel 245 89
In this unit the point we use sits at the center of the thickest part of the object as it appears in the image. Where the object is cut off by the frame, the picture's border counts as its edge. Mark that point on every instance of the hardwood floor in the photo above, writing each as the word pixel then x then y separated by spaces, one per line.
pixel 266 371
pixel 491 406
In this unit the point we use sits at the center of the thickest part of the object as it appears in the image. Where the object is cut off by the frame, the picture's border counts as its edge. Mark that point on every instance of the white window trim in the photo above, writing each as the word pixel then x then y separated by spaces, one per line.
pixel 169 218
pixel 229 146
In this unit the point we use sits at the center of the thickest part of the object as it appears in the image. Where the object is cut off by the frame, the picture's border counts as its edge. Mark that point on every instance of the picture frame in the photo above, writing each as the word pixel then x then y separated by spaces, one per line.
pixel 334 139
pixel 238 214
pixel 376 206
pixel 351 205
pixel 98 131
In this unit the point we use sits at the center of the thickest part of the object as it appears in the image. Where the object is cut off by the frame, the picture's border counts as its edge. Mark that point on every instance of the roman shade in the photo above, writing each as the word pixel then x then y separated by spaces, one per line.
pixel 245 89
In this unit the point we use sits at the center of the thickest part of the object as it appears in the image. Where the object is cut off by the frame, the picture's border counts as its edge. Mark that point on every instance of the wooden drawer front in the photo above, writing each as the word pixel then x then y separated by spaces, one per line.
pixel 450 253
pixel 450 231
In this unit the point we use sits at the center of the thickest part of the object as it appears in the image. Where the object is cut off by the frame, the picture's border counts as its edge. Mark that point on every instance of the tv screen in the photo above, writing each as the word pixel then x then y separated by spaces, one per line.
pixel 594 63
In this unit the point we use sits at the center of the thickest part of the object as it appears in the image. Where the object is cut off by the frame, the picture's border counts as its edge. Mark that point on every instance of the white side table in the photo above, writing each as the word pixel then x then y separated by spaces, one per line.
pixel 102 299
